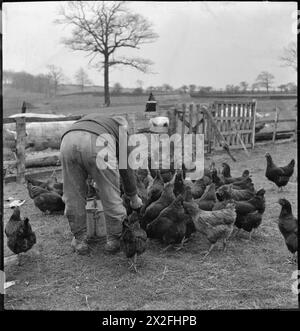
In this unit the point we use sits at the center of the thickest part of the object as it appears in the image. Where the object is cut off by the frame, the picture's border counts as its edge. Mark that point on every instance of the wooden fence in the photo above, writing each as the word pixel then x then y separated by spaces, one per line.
pixel 227 125
pixel 276 132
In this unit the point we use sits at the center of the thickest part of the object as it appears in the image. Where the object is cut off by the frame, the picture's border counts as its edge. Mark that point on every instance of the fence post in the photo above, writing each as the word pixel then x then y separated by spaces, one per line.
pixel 183 130
pixel 209 131
pixel 275 124
pixel 20 148
pixel 254 122
pixel 172 121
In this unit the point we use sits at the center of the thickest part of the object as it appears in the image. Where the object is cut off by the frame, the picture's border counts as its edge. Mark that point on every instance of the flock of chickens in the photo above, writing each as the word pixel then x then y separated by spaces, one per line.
pixel 175 207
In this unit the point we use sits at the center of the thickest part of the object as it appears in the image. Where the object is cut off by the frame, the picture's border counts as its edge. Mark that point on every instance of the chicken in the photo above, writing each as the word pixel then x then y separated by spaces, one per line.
pixel 36 182
pixel 154 191
pixel 226 173
pixel 190 227
pixel 199 186
pixel 51 185
pixel 237 195
pixel 245 184
pixel 249 213
pixel 179 183
pixel 20 237
pixel 153 210
pixel 279 175
pixel 288 226
pixel 35 191
pixel 215 225
pixel 45 200
pixel 222 200
pixel 54 186
pixel 49 202
pixel 133 239
pixel 170 225
pixel 249 222
pixel 208 199
pixel 216 179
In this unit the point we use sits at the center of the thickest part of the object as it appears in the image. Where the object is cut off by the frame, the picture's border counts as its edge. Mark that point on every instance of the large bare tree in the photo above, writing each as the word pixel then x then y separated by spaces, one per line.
pixel 289 56
pixel 102 29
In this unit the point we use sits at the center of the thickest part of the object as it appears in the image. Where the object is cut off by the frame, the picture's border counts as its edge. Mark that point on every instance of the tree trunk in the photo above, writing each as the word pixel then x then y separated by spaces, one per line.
pixel 106 82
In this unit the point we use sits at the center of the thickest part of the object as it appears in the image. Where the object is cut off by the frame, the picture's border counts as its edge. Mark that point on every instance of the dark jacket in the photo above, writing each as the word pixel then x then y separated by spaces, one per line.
pixel 99 124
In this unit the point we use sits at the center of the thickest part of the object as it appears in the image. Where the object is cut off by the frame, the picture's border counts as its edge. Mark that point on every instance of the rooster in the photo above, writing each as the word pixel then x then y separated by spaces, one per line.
pixel 288 226
pixel 215 225
pixel 133 239
pixel 20 237
pixel 279 175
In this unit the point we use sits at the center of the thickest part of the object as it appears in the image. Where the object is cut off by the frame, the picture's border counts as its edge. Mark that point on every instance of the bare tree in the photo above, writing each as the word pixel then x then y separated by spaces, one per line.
pixel 82 78
pixel 289 56
pixel 265 79
pixel 244 85
pixel 192 88
pixel 117 88
pixel 56 76
pixel 283 88
pixel 167 87
pixel 101 29
pixel 184 88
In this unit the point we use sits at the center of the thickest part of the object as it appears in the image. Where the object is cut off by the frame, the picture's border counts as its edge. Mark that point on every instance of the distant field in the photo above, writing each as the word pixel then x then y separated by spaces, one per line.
pixel 84 104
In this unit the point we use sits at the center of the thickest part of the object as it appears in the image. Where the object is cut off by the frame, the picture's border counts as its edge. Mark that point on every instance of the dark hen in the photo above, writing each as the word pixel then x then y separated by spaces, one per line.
pixel 288 226
pixel 51 184
pixel 237 195
pixel 216 179
pixel 35 191
pixel 20 237
pixel 249 213
pixel 190 227
pixel 153 210
pixel 228 179
pixel 179 183
pixel 36 182
pixel 170 225
pixel 199 186
pixel 208 199
pixel 49 202
pixel 279 175
pixel 154 190
pixel 133 239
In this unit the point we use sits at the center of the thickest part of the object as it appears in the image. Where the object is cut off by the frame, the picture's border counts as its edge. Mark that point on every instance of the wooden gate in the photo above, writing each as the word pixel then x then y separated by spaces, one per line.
pixel 236 122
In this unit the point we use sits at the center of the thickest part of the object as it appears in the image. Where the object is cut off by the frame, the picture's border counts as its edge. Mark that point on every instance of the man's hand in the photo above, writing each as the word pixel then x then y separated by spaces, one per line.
pixel 136 202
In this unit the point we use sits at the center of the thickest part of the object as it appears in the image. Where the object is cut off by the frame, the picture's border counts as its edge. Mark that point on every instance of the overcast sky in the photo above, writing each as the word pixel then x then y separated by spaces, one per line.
pixel 202 43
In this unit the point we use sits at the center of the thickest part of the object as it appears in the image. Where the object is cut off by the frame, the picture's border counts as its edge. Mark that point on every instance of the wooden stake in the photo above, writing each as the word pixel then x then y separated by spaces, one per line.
pixel 20 148
pixel 275 124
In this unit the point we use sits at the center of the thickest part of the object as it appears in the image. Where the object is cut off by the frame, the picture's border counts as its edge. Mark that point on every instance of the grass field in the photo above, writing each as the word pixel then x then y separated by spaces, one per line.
pixel 249 275
pixel 84 104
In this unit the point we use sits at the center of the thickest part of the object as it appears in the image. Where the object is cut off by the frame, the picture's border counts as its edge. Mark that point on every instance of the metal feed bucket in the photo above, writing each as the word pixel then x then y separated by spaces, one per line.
pixel 96 228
